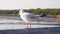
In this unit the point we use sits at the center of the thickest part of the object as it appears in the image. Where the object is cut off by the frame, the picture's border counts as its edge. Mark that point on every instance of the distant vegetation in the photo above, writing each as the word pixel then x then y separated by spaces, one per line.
pixel 9 12
pixel 35 11
pixel 45 11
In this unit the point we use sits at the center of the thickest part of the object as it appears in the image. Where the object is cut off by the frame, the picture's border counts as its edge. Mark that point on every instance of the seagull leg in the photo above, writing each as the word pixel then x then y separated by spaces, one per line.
pixel 27 26
pixel 30 25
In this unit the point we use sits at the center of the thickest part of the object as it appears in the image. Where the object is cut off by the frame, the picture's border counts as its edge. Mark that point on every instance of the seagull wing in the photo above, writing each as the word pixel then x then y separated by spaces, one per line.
pixel 31 16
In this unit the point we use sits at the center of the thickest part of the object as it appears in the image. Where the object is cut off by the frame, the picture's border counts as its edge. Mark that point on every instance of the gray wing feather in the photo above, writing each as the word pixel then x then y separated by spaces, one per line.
pixel 32 16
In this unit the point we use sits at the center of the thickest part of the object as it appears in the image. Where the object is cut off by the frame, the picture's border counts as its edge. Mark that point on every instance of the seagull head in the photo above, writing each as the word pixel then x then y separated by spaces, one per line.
pixel 21 11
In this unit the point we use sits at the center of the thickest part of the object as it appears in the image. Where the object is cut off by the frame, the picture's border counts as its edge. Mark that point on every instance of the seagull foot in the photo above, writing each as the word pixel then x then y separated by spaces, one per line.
pixel 28 28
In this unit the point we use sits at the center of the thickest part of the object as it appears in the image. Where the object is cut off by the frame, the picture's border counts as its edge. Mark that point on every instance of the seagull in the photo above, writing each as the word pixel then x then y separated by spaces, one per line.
pixel 28 17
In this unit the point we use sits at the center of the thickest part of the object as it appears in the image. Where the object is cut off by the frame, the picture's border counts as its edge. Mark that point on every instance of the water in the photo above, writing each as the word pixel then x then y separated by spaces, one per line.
pixel 15 22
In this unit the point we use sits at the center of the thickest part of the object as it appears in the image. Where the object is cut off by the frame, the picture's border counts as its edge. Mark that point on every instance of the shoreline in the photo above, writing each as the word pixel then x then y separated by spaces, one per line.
pixel 47 16
pixel 52 16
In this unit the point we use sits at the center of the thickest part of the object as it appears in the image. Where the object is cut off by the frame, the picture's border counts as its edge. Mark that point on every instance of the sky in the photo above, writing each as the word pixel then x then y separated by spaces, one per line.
pixel 29 4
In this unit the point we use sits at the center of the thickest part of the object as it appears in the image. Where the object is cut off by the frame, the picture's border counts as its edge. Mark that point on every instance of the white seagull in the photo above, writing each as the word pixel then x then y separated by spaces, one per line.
pixel 28 17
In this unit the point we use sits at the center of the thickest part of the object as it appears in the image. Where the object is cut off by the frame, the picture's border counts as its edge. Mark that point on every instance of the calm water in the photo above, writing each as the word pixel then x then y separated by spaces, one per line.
pixel 15 22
